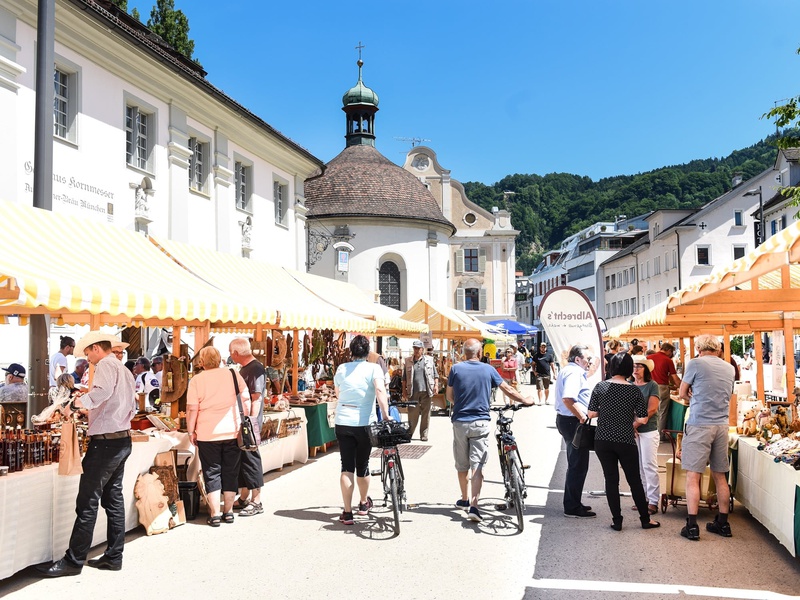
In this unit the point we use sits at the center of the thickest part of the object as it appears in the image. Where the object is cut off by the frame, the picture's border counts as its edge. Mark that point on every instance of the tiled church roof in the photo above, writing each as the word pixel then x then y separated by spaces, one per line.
pixel 360 181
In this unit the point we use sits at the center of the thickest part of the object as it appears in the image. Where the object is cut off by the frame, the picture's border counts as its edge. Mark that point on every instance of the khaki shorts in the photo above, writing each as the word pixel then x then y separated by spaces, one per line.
pixel 705 445
pixel 470 444
pixel 542 382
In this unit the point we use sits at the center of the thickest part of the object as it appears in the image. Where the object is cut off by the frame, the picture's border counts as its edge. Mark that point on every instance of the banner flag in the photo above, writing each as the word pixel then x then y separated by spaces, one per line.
pixel 568 318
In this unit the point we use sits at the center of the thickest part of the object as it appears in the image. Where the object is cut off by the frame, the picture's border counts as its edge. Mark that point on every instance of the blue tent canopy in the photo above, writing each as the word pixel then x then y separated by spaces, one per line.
pixel 514 327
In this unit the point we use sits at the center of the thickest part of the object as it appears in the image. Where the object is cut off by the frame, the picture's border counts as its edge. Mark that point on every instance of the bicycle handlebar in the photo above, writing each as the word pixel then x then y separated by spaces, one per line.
pixel 504 407
pixel 402 404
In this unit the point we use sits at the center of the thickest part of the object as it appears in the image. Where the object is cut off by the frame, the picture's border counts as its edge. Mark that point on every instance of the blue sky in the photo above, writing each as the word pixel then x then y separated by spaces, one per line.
pixel 536 86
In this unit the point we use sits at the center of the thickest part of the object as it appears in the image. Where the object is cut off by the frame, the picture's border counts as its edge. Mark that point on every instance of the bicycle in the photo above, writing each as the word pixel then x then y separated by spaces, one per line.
pixel 387 435
pixel 510 462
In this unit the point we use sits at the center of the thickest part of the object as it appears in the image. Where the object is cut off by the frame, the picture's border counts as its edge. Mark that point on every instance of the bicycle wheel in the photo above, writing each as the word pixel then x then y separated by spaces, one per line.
pixel 395 498
pixel 516 491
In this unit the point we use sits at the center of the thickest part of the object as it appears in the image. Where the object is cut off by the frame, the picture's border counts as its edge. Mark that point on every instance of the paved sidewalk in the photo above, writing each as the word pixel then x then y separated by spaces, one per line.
pixel 298 549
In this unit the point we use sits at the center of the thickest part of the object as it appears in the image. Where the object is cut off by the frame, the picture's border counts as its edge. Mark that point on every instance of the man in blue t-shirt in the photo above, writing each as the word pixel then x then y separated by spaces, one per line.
pixel 469 391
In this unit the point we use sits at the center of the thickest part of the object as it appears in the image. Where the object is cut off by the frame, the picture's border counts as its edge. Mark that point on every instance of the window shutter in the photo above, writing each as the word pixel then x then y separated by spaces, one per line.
pixel 460 298
pixel 481 262
pixel 482 300
pixel 460 263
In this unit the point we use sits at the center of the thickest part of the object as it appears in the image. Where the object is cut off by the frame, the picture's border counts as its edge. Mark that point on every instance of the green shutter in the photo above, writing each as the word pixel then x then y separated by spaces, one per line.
pixel 460 295
pixel 483 300
pixel 481 261
pixel 459 262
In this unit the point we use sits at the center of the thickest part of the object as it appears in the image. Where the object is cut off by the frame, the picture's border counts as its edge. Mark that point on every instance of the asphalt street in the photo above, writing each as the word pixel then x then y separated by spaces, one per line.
pixel 298 549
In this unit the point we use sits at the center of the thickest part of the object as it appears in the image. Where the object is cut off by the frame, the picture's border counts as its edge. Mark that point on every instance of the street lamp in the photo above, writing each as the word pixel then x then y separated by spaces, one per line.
pixel 760 231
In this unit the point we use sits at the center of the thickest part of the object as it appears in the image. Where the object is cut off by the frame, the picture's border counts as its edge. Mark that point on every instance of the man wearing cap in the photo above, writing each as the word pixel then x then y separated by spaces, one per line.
pixel 663 374
pixel 545 369
pixel 14 389
pixel 111 407
pixel 420 383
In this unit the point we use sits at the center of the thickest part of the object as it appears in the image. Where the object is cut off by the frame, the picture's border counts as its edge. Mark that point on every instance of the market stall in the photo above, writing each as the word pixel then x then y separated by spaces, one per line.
pixel 756 294
pixel 37 508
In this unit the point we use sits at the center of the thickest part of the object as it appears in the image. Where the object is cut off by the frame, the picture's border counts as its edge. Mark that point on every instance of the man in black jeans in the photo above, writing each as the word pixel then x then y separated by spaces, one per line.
pixel 572 404
pixel 111 407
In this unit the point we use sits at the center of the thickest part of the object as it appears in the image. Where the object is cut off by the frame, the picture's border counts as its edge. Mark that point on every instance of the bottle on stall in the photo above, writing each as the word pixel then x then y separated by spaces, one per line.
pixel 20 449
pixel 55 448
pixel 11 450
pixel 42 454
pixel 27 443
pixel 47 451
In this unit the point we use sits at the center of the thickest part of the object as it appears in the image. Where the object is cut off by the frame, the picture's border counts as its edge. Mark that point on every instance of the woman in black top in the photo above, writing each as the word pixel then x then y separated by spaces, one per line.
pixel 617 404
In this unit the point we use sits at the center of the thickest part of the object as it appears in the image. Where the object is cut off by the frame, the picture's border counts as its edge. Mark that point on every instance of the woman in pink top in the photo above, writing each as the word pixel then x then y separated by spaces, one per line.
pixel 508 370
pixel 212 418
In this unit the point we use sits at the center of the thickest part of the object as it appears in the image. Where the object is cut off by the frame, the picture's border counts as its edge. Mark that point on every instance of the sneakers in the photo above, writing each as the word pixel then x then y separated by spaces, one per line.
pixel 723 529
pixel 692 532
pixel 364 507
pixel 584 513
pixel 474 515
pixel 462 504
pixel 252 508
pixel 346 518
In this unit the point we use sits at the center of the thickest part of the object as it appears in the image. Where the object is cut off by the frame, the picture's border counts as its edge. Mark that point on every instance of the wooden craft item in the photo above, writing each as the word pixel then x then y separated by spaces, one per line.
pixel 152 504
pixel 174 380
pixel 169 480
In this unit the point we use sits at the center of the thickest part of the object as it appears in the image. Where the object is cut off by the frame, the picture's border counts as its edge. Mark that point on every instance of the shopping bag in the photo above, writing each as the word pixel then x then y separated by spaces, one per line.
pixel 69 454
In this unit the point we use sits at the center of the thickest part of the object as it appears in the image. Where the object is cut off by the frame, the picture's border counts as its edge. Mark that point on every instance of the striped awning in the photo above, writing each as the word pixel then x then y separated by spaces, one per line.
pixel 289 303
pixel 347 296
pixel 443 321
pixel 72 268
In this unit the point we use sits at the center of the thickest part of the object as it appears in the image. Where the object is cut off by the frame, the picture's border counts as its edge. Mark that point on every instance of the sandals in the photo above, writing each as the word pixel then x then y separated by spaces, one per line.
pixel 214 521
pixel 651 508
pixel 651 525
pixel 240 504
pixel 227 518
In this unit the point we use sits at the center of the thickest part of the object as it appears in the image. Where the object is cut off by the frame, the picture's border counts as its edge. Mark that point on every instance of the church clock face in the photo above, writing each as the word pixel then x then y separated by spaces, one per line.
pixel 420 162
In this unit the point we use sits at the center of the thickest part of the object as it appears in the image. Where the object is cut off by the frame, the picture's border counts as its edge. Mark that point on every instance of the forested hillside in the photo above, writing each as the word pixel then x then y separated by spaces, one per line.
pixel 548 208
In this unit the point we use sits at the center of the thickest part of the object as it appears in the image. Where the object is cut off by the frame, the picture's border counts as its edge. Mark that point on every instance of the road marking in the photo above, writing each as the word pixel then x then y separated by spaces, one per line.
pixel 656 588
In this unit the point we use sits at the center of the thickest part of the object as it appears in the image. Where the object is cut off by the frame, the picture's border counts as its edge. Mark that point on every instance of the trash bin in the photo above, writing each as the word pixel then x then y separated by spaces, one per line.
pixel 190 496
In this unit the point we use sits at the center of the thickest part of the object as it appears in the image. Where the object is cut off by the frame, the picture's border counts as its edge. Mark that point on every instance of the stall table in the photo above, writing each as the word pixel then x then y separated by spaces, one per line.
pixel 37 509
pixel 320 432
pixel 770 491
pixel 275 452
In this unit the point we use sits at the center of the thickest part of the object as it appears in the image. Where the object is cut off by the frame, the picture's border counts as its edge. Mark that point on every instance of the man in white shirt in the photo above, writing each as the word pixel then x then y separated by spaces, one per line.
pixel 58 362
pixel 146 380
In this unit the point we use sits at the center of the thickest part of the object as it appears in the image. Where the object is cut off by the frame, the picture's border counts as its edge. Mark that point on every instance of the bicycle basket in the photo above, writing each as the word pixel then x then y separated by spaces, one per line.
pixel 389 433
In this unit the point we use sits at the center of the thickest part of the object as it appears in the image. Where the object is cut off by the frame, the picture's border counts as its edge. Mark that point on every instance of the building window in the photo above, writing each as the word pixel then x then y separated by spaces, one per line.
pixel 703 255
pixel 619 279
pixel 608 282
pixel 633 305
pixel 472 299
pixel 658 297
pixel 666 261
pixel 739 252
pixel 198 164
pixel 471 260
pixel 243 173
pixel 280 193
pixel 783 222
pixel 774 227
pixel 627 307
pixel 389 285
pixel 633 274
pixel 738 218
pixel 138 143
pixel 657 265
pixel 65 105
pixel 608 310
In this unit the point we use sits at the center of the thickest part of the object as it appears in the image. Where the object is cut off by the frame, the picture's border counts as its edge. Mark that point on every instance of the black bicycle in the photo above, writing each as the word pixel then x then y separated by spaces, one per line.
pixel 387 435
pixel 510 461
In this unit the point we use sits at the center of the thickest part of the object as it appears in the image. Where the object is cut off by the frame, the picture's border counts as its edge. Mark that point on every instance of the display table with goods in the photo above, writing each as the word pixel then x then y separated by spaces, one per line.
pixel 284 441
pixel 319 408
pixel 37 508
pixel 770 490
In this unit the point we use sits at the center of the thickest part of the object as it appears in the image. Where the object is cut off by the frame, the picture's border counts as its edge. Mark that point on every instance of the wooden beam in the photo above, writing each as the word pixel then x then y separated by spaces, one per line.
pixel 176 341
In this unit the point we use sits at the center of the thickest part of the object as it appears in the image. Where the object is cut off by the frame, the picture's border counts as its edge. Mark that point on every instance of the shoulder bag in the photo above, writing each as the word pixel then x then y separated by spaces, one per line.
pixel 249 436
pixel 584 435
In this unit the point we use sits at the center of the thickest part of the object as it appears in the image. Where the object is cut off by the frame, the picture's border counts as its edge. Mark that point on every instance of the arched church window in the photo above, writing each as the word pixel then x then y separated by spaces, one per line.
pixel 389 284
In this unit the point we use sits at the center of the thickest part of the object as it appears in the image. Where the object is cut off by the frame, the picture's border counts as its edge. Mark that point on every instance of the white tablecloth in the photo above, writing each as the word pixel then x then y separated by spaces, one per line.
pixel 767 489
pixel 37 510
pixel 274 454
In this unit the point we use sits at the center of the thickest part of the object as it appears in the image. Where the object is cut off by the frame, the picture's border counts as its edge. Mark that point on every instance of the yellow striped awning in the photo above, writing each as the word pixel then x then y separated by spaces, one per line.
pixel 443 320
pixel 72 268
pixel 347 296
pixel 290 304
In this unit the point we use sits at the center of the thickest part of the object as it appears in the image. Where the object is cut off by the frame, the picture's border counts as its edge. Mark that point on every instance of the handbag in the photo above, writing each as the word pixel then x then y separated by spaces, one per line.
pixel 584 435
pixel 249 436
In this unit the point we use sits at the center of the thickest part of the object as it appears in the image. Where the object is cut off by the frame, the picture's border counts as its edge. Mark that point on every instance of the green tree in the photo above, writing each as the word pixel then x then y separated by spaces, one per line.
pixel 172 25
pixel 123 4
pixel 788 116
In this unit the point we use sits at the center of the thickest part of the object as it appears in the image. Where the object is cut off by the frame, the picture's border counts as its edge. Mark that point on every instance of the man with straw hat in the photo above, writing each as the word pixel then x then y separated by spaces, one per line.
pixel 111 407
